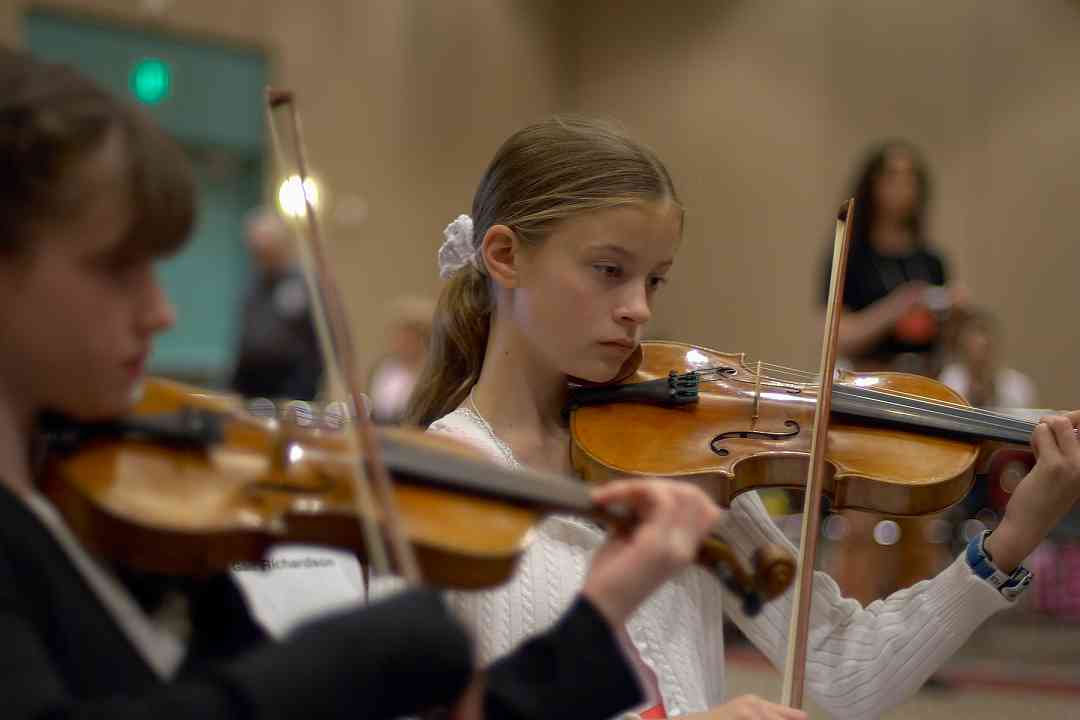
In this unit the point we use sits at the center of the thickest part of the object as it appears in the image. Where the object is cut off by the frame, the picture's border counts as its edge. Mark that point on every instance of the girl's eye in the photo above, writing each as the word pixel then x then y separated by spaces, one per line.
pixel 610 271
pixel 657 281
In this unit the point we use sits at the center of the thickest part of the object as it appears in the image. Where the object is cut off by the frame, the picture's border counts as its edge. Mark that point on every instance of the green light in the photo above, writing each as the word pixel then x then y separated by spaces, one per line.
pixel 150 81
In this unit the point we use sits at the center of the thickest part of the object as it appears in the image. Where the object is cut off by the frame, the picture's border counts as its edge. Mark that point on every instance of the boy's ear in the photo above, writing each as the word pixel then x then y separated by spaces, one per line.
pixel 500 251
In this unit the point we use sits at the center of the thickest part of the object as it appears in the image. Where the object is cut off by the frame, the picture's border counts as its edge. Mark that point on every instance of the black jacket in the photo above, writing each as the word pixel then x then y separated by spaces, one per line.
pixel 63 655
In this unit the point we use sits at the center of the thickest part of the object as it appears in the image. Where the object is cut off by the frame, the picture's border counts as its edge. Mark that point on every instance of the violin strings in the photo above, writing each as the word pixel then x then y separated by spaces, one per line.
pixel 964 411
pixel 894 398
pixel 961 412
pixel 928 410
pixel 796 372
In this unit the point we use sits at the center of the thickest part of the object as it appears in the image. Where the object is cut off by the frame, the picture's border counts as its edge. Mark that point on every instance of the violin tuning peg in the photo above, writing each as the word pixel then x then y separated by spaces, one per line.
pixel 299 414
pixel 335 415
pixel 262 407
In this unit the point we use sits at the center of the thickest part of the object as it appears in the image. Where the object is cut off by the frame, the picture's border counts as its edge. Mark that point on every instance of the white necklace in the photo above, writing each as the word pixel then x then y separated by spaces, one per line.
pixel 474 414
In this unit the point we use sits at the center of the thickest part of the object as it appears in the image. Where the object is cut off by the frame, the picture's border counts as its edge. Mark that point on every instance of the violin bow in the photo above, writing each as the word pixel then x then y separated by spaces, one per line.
pixel 795 665
pixel 373 493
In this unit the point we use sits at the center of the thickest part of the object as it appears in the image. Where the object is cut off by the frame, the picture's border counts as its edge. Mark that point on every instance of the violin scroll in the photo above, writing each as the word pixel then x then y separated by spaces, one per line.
pixel 773 571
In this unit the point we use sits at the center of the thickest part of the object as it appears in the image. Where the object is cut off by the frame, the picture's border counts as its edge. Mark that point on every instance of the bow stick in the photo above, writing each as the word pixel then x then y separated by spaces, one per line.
pixel 795 666
pixel 337 347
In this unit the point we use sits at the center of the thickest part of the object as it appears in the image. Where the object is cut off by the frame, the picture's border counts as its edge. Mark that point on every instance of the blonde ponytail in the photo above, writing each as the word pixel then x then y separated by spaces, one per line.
pixel 542 175
pixel 459 337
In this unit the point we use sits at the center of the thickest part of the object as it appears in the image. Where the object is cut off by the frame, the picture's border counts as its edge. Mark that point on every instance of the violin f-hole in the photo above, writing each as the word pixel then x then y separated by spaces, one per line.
pixel 759 434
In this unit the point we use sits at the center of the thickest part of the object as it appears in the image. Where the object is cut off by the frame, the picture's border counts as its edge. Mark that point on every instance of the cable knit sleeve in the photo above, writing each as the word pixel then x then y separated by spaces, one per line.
pixel 863 661
pixel 550 572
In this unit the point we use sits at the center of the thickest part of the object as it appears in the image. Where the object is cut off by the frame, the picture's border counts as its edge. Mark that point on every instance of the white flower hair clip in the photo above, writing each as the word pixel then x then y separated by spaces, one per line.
pixel 457 250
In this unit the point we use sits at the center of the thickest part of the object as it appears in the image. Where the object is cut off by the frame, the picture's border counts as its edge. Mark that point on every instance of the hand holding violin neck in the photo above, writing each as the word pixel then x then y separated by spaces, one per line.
pixel 772 573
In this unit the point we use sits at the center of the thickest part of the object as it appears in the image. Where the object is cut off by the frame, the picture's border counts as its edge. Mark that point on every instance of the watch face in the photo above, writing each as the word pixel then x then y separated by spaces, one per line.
pixel 1017 585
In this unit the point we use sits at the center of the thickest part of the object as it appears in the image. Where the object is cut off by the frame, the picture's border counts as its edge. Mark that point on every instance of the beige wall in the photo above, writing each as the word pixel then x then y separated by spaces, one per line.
pixel 760 110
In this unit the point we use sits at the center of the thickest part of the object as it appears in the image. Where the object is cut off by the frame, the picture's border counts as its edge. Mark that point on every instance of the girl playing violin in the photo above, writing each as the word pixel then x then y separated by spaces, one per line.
pixel 573 232
pixel 93 193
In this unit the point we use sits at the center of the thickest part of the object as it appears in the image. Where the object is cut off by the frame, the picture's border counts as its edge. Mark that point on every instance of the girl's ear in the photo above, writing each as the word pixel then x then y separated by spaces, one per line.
pixel 501 252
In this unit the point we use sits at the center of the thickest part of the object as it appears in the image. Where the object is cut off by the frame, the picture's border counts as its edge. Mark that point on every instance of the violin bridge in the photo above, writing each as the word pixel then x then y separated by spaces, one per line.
pixel 757 394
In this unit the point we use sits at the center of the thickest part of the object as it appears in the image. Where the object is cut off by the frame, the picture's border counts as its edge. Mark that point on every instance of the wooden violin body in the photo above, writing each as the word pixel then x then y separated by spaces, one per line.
pixel 202 507
pixel 748 431
pixel 203 486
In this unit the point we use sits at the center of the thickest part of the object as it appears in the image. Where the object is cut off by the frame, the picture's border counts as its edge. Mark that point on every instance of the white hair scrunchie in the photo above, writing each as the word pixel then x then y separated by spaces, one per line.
pixel 457 250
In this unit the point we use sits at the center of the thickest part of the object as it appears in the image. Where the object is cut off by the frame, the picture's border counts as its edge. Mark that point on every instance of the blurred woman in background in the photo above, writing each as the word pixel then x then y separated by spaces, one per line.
pixel 897 299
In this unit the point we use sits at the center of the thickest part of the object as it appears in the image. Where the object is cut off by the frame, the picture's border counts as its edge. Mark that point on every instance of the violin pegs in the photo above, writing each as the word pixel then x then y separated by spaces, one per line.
pixel 298 414
pixel 262 407
pixel 335 416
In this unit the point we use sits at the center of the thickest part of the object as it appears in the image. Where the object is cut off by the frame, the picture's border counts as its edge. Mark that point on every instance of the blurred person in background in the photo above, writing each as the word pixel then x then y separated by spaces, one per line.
pixel 896 291
pixel 897 300
pixel 279 355
pixel 394 374
pixel 975 370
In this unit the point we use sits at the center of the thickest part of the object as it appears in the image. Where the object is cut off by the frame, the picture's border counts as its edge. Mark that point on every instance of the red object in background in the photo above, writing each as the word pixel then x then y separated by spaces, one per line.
pixel 1007 468
pixel 917 327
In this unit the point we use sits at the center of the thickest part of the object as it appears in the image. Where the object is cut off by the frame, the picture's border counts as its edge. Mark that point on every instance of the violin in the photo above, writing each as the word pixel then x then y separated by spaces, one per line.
pixel 898 444
pixel 191 484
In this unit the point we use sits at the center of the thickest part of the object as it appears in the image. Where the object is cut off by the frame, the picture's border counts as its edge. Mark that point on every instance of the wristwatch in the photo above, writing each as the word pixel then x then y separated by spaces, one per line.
pixel 1009 585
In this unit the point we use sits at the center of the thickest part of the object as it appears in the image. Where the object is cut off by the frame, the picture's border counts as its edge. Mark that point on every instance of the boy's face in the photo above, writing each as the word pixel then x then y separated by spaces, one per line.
pixel 79 311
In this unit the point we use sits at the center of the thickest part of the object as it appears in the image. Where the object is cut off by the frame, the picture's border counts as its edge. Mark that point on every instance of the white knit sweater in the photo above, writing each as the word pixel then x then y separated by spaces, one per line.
pixel 861 661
